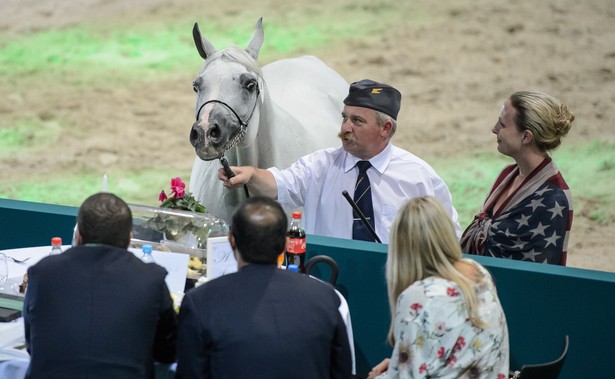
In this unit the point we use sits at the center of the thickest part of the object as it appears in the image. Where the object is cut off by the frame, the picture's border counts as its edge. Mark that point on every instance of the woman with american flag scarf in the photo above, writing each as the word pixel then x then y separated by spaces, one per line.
pixel 528 212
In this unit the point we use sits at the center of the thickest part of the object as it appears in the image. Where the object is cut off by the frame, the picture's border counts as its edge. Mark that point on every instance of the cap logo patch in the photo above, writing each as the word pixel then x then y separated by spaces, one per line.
pixel 376 90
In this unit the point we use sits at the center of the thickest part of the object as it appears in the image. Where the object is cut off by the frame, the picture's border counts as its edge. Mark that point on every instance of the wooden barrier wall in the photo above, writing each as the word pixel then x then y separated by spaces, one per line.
pixel 25 223
pixel 542 302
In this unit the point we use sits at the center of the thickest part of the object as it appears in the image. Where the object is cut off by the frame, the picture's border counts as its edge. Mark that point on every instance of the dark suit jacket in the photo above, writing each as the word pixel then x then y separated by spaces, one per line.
pixel 97 312
pixel 262 322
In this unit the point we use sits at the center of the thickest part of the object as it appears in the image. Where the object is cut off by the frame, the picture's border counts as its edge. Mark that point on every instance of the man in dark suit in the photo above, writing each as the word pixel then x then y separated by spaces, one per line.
pixel 262 322
pixel 96 310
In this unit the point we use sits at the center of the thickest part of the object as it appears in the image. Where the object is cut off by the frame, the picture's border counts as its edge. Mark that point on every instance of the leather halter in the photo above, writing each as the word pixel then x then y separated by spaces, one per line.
pixel 244 125
pixel 241 122
pixel 242 131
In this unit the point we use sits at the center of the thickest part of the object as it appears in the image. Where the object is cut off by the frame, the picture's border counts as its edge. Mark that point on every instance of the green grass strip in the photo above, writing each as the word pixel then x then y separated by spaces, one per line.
pixel 587 168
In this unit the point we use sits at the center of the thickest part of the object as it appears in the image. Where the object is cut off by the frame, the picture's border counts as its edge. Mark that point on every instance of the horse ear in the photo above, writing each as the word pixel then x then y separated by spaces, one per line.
pixel 257 39
pixel 204 47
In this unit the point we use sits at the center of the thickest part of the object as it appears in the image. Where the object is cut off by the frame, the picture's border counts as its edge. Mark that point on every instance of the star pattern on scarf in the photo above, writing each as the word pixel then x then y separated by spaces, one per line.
pixel 531 255
pixel 539 230
pixel 543 191
pixel 556 210
pixel 535 203
pixel 523 220
pixel 533 230
pixel 519 243
pixel 552 240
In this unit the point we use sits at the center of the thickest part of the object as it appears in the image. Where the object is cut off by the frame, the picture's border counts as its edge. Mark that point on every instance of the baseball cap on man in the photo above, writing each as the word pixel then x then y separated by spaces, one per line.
pixel 378 96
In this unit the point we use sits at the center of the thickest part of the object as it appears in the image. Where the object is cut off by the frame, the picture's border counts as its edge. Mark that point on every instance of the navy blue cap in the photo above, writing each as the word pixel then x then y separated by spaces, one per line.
pixel 378 96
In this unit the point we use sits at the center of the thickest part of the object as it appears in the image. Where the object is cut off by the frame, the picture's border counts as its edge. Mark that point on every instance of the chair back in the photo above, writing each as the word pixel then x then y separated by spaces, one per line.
pixel 548 370
pixel 329 262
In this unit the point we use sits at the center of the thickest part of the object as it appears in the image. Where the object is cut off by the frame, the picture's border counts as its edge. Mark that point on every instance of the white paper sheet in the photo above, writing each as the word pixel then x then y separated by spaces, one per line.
pixel 220 257
pixel 176 265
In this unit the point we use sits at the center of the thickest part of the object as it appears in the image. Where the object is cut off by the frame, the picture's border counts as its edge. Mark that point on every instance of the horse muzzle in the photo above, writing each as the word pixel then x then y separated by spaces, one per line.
pixel 207 145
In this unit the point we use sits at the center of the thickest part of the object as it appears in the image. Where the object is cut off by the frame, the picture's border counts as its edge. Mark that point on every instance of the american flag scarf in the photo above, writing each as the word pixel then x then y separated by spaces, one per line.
pixel 533 223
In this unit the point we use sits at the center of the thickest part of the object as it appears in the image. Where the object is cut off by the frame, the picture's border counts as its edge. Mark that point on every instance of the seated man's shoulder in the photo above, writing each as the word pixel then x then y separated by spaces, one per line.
pixel 217 287
pixel 311 284
pixel 132 263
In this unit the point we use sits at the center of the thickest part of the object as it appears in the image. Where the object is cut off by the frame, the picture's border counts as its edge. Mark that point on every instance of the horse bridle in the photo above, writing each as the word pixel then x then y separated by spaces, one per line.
pixel 244 125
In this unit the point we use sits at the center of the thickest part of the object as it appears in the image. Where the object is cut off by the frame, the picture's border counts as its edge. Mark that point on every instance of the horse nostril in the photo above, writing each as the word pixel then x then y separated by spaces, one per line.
pixel 194 135
pixel 214 132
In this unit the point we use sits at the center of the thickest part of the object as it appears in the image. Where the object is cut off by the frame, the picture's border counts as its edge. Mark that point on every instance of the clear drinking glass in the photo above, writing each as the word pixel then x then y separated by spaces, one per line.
pixel 4 270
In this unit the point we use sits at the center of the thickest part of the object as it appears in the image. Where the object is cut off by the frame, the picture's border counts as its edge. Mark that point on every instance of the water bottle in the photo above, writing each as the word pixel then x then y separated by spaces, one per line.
pixel 56 246
pixel 295 243
pixel 281 259
pixel 294 268
pixel 74 241
pixel 147 253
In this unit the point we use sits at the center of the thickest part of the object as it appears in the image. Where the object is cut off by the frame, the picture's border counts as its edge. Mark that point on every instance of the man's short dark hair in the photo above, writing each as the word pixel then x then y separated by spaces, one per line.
pixel 259 228
pixel 105 219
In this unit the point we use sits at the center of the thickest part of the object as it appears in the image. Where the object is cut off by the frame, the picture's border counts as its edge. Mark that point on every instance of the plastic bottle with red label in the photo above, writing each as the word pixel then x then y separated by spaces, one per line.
pixel 56 246
pixel 295 243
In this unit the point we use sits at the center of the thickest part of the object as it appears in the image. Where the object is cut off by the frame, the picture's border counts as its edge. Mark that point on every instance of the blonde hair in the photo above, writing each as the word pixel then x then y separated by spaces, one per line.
pixel 423 243
pixel 545 116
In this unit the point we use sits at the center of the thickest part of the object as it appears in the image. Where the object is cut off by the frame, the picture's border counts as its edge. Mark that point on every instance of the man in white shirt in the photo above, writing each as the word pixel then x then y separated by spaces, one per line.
pixel 316 181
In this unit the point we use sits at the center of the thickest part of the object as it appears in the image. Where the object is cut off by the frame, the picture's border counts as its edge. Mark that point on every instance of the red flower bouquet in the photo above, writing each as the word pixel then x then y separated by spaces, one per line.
pixel 179 198
pixel 174 227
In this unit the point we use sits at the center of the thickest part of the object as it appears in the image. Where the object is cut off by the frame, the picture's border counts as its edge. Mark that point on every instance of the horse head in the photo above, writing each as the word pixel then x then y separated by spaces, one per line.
pixel 229 90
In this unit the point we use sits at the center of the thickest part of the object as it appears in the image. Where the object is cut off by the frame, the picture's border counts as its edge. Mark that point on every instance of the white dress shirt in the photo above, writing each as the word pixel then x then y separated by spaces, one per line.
pixel 316 181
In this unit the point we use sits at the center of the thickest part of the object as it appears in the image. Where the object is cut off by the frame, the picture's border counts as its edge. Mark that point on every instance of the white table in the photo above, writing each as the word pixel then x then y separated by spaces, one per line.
pixel 14 359
pixel 17 270
pixel 13 333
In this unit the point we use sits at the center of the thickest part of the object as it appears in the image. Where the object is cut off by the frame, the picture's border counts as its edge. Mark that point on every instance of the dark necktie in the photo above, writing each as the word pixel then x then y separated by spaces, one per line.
pixel 363 198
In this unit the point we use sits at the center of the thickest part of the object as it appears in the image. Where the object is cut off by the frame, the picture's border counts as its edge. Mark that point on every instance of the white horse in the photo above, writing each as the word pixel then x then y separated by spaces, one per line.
pixel 263 118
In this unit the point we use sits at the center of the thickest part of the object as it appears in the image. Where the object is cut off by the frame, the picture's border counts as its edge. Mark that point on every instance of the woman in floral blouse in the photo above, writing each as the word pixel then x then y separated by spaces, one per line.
pixel 447 321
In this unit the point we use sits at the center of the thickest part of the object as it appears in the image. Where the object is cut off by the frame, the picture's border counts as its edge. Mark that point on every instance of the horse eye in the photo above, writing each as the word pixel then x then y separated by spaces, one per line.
pixel 251 86
pixel 195 88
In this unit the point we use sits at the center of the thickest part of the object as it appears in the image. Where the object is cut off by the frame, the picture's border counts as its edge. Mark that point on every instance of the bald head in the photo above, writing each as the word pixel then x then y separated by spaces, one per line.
pixel 259 229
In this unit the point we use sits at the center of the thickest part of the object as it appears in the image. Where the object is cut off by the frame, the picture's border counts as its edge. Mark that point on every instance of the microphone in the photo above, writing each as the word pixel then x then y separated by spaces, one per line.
pixel 229 173
pixel 361 215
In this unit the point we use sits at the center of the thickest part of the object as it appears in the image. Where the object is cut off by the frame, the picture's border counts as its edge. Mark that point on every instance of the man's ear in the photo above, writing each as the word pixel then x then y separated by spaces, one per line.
pixel 231 239
pixel 387 127
pixel 78 238
pixel 129 239
pixel 240 261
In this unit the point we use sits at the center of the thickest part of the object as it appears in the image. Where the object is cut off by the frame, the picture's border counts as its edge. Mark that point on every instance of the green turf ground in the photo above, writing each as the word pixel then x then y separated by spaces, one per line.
pixel 74 57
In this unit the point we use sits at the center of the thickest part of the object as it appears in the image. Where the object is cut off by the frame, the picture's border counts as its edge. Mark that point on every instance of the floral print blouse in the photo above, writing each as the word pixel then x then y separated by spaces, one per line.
pixel 434 337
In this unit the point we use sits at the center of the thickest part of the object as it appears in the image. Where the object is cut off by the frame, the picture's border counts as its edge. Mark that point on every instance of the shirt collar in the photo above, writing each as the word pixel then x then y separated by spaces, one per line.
pixel 379 161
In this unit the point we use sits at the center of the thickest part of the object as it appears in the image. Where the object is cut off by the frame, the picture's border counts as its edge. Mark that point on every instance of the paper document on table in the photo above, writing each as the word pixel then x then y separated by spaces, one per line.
pixel 176 265
pixel 220 257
